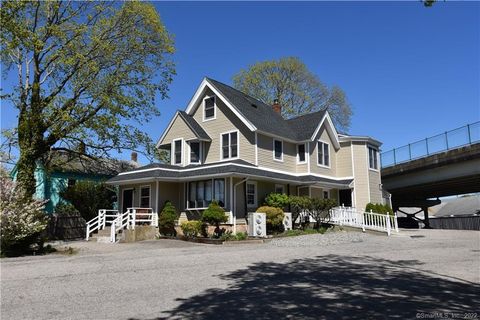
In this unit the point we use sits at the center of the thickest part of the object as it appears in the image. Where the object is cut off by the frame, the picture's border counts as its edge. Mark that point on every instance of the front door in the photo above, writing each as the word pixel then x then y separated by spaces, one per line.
pixel 127 199
pixel 345 196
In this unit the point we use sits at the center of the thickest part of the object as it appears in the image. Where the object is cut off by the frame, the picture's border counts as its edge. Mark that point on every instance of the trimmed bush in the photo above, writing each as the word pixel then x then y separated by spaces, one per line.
pixel 214 215
pixel 65 209
pixel 379 208
pixel 320 210
pixel 166 220
pixel 277 200
pixel 274 219
pixel 191 229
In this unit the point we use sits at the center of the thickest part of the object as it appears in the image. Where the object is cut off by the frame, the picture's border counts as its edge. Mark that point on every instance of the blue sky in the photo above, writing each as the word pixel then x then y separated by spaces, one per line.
pixel 408 71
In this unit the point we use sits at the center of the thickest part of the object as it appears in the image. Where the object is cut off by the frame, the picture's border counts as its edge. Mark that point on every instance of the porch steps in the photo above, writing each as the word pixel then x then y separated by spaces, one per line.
pixel 102 236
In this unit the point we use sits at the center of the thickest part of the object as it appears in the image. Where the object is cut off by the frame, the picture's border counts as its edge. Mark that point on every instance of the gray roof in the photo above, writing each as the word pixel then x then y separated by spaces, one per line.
pixel 194 126
pixel 265 119
pixel 467 205
pixel 235 168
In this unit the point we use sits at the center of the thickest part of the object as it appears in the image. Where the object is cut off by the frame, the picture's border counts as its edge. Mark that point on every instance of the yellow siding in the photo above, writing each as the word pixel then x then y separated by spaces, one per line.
pixel 225 121
pixel 179 129
pixel 375 181
pixel 265 154
pixel 314 167
pixel 362 186
pixel 344 160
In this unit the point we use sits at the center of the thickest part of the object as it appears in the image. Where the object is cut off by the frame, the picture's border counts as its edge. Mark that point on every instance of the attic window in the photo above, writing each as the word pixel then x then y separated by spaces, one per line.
pixel 209 108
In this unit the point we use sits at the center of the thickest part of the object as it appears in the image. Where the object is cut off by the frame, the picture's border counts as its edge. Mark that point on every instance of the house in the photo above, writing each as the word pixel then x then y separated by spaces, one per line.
pixel 235 149
pixel 66 169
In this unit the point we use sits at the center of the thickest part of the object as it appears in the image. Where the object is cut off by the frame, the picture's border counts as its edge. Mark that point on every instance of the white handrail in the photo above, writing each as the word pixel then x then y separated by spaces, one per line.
pixel 365 220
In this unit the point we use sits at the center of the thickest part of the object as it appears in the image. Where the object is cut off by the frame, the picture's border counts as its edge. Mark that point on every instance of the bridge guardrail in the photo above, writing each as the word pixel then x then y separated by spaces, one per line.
pixel 448 140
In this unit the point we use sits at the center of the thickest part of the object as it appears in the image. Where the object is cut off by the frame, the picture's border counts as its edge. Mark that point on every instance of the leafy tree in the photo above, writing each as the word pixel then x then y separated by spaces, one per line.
pixel 297 89
pixel 86 71
pixel 277 200
pixel 21 221
pixel 166 221
pixel 320 209
pixel 88 197
pixel 214 215
pixel 298 205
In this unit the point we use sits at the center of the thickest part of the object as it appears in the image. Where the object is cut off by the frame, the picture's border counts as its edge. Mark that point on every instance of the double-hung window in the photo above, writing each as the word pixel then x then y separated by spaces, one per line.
pixel 194 152
pixel 301 158
pixel 177 151
pixel 278 150
pixel 373 158
pixel 145 197
pixel 230 145
pixel 251 194
pixel 279 188
pixel 323 154
pixel 209 108
pixel 201 193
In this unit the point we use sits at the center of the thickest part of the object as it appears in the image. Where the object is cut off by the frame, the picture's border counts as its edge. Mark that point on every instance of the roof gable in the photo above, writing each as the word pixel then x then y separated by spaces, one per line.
pixel 190 122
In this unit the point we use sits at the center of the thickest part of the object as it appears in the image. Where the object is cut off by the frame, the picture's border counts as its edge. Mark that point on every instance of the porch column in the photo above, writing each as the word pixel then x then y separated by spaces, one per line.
pixel 157 200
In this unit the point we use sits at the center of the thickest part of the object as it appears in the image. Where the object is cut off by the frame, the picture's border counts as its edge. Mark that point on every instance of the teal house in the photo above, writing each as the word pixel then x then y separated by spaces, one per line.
pixel 65 170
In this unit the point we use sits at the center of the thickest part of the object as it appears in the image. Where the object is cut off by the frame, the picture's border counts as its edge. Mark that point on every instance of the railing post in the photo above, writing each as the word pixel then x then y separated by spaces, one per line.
pixel 409 152
pixel 389 227
pixel 363 222
pixel 104 218
pixel 88 232
pixel 394 157
pixel 113 231
pixel 134 211
pixel 395 221
pixel 446 138
pixel 426 144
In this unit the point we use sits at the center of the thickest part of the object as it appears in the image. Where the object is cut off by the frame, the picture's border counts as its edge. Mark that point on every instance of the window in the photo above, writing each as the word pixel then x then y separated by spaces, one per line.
pixel 326 194
pixel 373 158
pixel 230 145
pixel 209 108
pixel 279 188
pixel 177 151
pixel 201 193
pixel 194 152
pixel 323 154
pixel 301 153
pixel 278 150
pixel 145 197
pixel 251 194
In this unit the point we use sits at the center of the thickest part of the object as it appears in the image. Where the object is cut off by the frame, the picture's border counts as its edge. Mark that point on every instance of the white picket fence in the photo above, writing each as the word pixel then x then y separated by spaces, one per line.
pixel 120 221
pixel 346 216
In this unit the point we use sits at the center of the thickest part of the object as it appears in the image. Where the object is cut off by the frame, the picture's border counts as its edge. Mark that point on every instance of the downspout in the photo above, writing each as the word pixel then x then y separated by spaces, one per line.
pixel 234 204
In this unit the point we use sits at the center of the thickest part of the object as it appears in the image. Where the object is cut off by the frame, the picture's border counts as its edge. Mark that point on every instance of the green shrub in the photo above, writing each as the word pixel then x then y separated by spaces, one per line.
pixel 166 220
pixel 89 197
pixel 241 236
pixel 320 209
pixel 277 200
pixel 229 236
pixel 214 215
pixel 299 204
pixel 66 208
pixel 379 208
pixel 191 229
pixel 274 219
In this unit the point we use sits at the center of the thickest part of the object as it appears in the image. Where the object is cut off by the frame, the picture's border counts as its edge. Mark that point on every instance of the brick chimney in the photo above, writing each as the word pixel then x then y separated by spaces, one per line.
pixel 134 157
pixel 277 107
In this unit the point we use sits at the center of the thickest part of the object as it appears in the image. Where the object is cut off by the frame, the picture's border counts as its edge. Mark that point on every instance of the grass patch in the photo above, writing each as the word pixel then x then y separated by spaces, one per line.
pixel 302 232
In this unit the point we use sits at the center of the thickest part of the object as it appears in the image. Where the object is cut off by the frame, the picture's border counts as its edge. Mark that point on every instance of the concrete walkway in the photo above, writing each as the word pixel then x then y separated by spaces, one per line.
pixel 345 275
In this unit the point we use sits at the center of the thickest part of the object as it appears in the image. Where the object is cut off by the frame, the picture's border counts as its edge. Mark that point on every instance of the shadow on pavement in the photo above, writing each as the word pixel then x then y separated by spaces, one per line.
pixel 330 287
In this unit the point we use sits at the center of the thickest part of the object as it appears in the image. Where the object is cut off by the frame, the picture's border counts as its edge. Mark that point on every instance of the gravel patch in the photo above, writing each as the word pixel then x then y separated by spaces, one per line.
pixel 315 240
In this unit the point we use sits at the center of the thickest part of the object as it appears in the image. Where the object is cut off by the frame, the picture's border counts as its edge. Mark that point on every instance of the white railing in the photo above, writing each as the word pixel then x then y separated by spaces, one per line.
pixel 346 216
pixel 229 215
pixel 119 221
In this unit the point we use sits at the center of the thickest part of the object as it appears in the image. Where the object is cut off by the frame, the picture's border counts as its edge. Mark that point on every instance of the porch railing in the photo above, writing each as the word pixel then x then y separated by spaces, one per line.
pixel 120 221
pixel 346 216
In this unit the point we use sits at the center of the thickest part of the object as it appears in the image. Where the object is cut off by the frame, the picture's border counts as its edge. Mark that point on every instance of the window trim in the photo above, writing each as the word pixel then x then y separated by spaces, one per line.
pixel 273 147
pixel 323 160
pixel 200 152
pixel 255 195
pixel 181 153
pixel 279 185
pixel 328 193
pixel 205 119
pixel 187 196
pixel 377 154
pixel 149 187
pixel 298 153
pixel 229 148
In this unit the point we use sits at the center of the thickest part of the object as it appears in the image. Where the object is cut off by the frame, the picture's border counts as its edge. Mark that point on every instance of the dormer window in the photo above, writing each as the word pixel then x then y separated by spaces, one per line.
pixel 209 108
pixel 301 158
pixel 195 152
pixel 278 150
pixel 323 154
pixel 177 151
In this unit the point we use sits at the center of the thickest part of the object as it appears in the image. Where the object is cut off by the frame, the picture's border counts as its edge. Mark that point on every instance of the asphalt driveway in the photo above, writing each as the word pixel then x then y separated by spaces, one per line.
pixel 343 275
